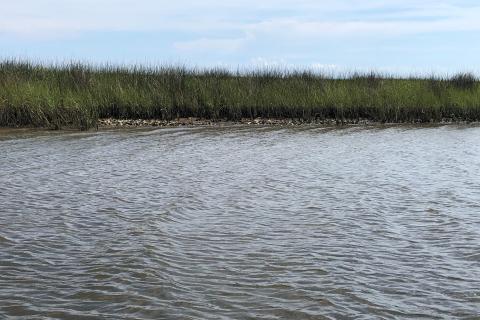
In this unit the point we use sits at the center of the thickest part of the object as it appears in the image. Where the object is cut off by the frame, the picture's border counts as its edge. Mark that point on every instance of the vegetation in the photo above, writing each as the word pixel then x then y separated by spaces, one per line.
pixel 77 95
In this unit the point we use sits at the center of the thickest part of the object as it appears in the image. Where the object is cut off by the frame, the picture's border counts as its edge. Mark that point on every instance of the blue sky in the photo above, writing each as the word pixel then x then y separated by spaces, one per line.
pixel 398 36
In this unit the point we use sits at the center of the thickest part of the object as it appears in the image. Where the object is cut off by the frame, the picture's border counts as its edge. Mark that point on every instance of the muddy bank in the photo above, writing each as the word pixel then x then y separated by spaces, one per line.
pixel 111 122
pixel 197 122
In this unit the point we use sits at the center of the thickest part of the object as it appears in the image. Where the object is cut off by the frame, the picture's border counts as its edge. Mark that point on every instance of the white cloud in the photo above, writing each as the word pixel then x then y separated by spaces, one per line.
pixel 305 18
pixel 321 35
pixel 415 20
pixel 323 66
pixel 211 44
pixel 300 28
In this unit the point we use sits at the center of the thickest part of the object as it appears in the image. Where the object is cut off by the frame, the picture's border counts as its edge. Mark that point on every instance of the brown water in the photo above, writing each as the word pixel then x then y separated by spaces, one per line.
pixel 241 223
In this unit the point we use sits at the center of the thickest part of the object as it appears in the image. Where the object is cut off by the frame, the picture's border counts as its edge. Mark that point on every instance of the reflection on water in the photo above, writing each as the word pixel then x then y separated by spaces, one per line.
pixel 240 222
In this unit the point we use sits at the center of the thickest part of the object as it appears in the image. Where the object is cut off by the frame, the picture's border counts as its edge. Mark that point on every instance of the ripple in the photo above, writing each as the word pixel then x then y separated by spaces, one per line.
pixel 241 222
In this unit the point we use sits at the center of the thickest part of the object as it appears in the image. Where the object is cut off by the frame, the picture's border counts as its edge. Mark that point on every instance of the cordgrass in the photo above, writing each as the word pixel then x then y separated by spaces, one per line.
pixel 77 95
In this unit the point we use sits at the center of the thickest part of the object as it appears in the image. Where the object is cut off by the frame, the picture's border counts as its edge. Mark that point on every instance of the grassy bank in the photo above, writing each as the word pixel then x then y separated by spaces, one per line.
pixel 76 95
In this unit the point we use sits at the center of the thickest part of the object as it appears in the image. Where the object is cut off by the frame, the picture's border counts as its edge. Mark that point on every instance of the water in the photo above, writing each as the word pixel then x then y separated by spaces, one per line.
pixel 241 223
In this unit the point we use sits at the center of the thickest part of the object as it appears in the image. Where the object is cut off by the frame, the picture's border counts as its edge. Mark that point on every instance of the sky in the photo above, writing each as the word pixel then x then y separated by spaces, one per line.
pixel 394 36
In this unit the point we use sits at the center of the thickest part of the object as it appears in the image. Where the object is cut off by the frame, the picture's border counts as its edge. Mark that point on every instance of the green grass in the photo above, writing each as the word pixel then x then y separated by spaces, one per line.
pixel 77 95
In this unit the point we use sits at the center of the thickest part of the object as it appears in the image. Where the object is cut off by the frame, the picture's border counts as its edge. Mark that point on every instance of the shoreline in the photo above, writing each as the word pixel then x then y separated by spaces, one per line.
pixel 196 122
pixel 112 123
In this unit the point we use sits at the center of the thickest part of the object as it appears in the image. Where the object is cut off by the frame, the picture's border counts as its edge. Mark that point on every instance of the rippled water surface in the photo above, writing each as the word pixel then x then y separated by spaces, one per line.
pixel 241 223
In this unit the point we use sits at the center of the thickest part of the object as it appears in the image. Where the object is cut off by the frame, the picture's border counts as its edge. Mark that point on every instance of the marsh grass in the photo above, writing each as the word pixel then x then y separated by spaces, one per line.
pixel 77 95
